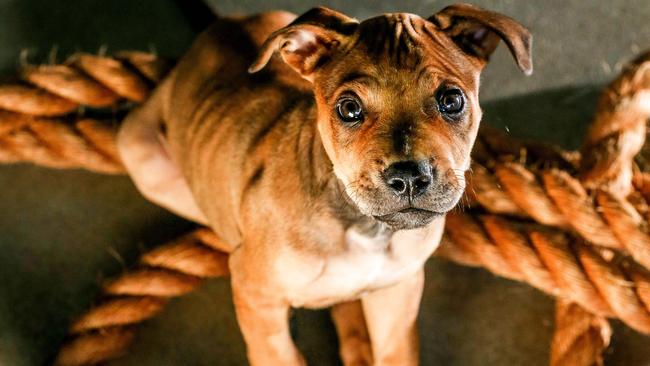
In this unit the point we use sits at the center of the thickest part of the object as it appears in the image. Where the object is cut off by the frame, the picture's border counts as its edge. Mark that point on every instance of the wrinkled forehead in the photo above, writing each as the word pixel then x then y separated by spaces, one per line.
pixel 404 48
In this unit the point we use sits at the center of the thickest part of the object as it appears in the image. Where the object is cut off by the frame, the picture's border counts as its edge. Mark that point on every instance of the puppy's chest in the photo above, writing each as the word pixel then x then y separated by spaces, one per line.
pixel 368 262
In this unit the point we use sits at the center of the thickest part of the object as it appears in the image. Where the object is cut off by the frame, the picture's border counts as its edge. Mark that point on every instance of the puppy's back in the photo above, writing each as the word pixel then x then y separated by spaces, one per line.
pixel 221 121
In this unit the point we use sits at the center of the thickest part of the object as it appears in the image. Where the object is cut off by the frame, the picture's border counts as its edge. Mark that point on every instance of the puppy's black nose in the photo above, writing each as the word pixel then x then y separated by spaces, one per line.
pixel 409 178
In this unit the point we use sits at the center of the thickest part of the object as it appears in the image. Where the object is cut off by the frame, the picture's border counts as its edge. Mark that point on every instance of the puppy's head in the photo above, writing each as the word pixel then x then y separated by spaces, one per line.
pixel 397 99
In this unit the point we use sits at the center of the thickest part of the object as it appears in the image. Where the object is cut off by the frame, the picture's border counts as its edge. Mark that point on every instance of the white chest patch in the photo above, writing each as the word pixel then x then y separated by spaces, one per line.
pixel 368 262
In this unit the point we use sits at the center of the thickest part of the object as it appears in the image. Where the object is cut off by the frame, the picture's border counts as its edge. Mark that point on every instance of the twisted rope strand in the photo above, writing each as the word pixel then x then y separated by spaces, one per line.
pixel 554 197
pixel 553 262
pixel 580 337
pixel 85 143
pixel 172 270
pixel 35 116
pixel 618 130
pixel 616 135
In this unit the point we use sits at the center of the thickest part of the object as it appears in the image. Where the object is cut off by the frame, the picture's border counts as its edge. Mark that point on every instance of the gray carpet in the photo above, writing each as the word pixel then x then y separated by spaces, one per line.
pixel 63 232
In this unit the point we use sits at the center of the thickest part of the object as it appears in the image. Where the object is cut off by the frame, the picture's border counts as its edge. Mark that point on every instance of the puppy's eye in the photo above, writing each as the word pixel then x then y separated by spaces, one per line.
pixel 451 102
pixel 349 110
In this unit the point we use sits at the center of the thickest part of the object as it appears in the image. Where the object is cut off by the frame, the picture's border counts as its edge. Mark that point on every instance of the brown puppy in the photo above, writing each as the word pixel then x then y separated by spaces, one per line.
pixel 327 170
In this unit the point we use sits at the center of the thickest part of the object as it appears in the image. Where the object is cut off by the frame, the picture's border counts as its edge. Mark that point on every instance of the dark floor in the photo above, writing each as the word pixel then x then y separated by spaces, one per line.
pixel 62 232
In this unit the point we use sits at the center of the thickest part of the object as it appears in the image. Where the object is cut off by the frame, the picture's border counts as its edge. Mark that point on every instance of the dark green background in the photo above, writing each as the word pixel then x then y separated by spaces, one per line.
pixel 63 232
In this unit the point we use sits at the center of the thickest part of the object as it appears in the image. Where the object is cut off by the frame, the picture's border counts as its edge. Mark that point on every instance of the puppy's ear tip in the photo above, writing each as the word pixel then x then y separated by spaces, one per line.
pixel 262 59
pixel 527 68
pixel 524 54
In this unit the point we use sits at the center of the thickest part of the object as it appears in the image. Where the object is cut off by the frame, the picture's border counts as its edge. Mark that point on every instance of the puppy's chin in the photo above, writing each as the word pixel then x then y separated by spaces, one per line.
pixel 410 218
pixel 398 216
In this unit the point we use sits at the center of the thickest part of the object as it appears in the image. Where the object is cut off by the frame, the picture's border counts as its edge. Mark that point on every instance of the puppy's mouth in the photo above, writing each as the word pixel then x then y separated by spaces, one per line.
pixel 408 218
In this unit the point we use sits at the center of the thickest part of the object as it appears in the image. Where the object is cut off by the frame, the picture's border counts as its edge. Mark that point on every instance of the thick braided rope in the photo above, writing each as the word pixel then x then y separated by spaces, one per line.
pixel 84 143
pixel 618 130
pixel 42 117
pixel 614 139
pixel 556 197
pixel 553 262
pixel 169 271
pixel 604 207
pixel 616 135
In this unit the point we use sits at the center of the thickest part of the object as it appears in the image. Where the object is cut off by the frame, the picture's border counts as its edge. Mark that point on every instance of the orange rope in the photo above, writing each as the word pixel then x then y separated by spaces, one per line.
pixel 580 337
pixel 169 271
pixel 42 118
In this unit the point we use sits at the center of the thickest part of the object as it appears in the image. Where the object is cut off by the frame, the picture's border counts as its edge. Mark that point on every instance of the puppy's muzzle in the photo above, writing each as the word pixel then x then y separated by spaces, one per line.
pixel 409 179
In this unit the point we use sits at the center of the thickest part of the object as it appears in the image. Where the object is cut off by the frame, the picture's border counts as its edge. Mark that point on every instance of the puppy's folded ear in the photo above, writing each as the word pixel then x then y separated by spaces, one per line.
pixel 308 42
pixel 478 31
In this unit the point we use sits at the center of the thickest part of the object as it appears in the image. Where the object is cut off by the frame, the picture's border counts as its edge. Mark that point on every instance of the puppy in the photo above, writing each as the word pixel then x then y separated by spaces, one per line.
pixel 325 153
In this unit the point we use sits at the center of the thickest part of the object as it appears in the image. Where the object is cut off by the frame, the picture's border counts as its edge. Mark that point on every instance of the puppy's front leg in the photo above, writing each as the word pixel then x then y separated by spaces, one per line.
pixel 263 317
pixel 391 315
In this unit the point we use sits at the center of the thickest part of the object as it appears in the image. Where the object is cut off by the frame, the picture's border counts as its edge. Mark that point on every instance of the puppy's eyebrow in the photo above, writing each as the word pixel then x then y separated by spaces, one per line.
pixel 426 72
pixel 356 76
